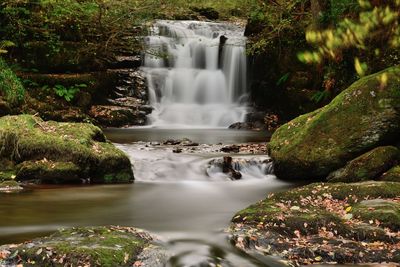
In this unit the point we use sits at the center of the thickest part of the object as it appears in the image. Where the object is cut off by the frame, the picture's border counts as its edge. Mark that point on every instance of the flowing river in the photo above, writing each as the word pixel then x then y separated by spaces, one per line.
pixel 173 196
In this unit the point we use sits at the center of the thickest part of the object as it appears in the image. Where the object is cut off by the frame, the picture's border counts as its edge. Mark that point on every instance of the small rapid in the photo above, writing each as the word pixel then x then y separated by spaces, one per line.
pixel 196 73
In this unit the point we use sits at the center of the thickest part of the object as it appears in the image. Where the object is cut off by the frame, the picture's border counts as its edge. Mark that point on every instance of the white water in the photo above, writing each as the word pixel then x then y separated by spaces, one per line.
pixel 192 82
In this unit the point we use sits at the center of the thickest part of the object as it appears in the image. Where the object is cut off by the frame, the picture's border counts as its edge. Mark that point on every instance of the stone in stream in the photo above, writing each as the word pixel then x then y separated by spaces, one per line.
pixel 231 148
pixel 322 223
pixel 40 151
pixel 227 167
pixel 88 246
pixel 364 116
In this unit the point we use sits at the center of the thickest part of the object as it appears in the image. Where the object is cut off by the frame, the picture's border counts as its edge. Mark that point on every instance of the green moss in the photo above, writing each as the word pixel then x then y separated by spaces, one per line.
pixel 368 166
pixel 392 175
pixel 301 209
pixel 7 175
pixel 28 138
pixel 90 246
pixel 319 142
pixel 385 212
pixel 48 171
pixel 10 86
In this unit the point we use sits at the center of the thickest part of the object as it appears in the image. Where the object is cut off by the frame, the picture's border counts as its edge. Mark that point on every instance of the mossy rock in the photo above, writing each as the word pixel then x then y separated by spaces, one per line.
pixel 10 187
pixel 391 175
pixel 323 222
pixel 386 212
pixel 363 117
pixel 368 166
pixel 51 148
pixel 46 171
pixel 88 246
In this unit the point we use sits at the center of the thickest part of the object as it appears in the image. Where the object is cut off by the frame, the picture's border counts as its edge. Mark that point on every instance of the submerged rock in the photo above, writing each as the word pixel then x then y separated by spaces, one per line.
pixel 363 117
pixel 51 152
pixel 368 166
pixel 324 223
pixel 88 246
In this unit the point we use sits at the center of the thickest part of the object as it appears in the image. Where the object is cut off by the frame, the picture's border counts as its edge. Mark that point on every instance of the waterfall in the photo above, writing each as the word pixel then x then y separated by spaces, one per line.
pixel 196 74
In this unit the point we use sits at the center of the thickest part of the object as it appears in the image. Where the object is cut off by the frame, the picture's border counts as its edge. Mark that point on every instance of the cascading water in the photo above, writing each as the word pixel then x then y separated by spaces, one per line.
pixel 196 73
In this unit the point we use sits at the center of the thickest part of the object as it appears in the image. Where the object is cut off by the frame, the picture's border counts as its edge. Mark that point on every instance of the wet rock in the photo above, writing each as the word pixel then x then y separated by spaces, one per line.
pixel 368 166
pixel 10 187
pixel 172 142
pixel 231 149
pixel 129 83
pixel 88 246
pixel 177 150
pixel 361 118
pixel 51 149
pixel 321 223
pixel 116 116
pixel 227 167
pixel 207 12
pixel 188 142
pixel 126 62
pixel 234 166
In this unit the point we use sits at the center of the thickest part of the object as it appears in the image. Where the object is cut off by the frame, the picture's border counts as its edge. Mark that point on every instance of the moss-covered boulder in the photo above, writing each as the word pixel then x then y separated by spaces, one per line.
pixel 364 116
pixel 48 171
pixel 90 246
pixel 368 166
pixel 51 152
pixel 391 175
pixel 320 222
pixel 379 211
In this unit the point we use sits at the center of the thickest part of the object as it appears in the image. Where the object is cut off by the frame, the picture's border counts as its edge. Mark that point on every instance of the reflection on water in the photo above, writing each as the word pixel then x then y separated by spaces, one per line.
pixel 202 136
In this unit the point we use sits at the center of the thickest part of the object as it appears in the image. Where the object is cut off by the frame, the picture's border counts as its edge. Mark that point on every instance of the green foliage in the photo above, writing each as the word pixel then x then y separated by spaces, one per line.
pixel 276 23
pixel 320 96
pixel 10 86
pixel 4 45
pixel 283 79
pixel 376 28
pixel 68 93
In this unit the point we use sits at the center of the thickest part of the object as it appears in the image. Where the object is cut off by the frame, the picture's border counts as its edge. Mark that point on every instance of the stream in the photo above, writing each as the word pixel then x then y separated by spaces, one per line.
pixel 173 196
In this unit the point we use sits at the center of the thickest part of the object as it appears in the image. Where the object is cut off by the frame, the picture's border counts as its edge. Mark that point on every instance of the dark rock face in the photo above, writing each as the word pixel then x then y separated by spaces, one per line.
pixel 115 116
pixel 361 118
pixel 368 166
pixel 207 12
pixel 258 121
pixel 4 108
pixel 116 89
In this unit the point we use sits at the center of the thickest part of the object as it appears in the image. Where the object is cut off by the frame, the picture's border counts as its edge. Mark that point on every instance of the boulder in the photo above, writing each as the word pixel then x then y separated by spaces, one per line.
pixel 368 166
pixel 324 223
pixel 87 246
pixel 385 212
pixel 52 152
pixel 48 171
pixel 361 118
pixel 391 175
